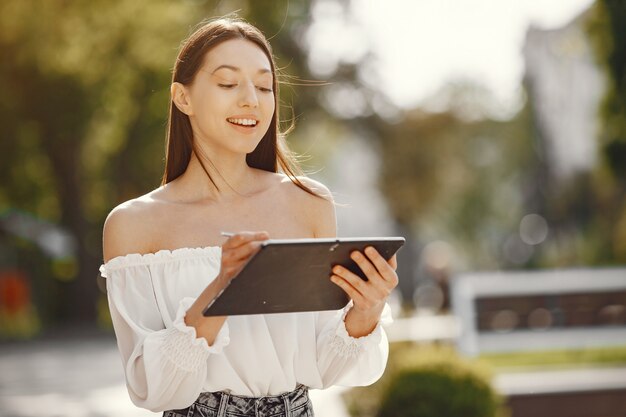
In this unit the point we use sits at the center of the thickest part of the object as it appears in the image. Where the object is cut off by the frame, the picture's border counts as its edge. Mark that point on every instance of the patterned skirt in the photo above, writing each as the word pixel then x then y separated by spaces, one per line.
pixel 220 404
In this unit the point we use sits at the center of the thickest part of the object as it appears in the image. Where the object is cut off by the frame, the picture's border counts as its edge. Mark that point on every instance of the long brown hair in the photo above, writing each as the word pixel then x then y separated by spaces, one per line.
pixel 272 153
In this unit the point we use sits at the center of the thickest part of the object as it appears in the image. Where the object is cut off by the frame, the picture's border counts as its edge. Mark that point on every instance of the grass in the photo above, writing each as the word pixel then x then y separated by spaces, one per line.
pixel 557 358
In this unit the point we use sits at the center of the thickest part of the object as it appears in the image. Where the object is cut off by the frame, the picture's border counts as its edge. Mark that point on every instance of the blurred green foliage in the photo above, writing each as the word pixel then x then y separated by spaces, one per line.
pixel 470 180
pixel 84 93
pixel 607 28
pixel 587 213
pixel 457 180
pixel 424 381
pixel 437 392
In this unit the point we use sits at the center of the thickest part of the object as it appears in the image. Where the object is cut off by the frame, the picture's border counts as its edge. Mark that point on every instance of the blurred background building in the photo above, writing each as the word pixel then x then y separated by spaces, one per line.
pixel 566 85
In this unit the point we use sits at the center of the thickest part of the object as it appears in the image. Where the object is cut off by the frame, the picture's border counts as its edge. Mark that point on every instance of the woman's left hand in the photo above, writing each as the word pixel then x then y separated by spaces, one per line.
pixel 369 296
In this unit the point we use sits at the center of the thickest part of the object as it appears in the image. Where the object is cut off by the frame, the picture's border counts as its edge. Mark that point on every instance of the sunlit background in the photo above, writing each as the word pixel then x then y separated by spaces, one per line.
pixel 489 133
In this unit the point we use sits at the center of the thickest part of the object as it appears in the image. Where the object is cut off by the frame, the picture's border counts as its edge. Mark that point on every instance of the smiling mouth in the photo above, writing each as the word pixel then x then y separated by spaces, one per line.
pixel 242 122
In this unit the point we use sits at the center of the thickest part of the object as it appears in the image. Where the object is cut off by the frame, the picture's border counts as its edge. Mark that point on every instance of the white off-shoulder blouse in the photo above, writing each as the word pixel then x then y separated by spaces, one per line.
pixel 167 366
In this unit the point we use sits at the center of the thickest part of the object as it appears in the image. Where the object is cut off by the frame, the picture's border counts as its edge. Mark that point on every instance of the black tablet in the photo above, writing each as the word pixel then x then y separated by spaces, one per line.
pixel 293 275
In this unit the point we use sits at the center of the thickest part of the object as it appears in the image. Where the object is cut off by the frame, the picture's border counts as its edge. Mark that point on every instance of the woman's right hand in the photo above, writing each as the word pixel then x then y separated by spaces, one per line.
pixel 236 252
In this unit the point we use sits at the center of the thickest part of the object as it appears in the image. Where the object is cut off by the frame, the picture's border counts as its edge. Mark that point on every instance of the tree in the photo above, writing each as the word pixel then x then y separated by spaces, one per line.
pixel 457 180
pixel 607 28
pixel 84 91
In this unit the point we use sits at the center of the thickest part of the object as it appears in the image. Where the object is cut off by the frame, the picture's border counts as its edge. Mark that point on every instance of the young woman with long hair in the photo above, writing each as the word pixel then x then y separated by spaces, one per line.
pixel 228 169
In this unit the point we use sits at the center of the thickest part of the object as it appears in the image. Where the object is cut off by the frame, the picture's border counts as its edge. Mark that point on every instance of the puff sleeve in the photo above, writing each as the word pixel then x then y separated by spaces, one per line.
pixel 165 364
pixel 348 361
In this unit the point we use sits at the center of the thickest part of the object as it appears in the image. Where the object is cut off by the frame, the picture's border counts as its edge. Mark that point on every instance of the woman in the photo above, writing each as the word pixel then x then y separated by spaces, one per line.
pixel 227 169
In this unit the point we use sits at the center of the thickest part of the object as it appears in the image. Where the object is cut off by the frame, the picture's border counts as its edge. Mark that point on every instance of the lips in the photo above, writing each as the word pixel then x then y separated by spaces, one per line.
pixel 243 121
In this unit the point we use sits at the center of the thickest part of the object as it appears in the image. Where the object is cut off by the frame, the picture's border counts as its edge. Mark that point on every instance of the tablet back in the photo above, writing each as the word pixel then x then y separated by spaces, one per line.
pixel 294 275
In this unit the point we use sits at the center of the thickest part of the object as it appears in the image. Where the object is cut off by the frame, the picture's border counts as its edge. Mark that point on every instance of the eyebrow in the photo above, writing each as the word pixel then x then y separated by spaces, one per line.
pixel 237 69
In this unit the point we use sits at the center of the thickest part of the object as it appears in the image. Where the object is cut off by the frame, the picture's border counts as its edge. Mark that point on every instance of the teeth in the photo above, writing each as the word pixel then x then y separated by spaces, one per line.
pixel 244 122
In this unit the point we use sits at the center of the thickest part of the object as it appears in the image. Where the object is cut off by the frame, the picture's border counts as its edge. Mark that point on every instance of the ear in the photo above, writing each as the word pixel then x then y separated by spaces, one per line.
pixel 180 97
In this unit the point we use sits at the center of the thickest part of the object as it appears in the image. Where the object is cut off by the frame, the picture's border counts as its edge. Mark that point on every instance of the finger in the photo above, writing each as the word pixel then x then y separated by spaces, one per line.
pixel 393 262
pixel 375 289
pixel 240 253
pixel 366 265
pixel 353 279
pixel 382 266
pixel 234 260
pixel 361 301
pixel 242 238
pixel 352 292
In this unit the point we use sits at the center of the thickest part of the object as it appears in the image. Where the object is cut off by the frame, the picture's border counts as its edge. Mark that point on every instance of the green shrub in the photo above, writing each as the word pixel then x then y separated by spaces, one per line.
pixel 437 393
pixel 427 381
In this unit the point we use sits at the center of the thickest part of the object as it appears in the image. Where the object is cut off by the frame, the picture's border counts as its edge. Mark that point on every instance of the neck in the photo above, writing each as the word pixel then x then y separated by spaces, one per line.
pixel 230 174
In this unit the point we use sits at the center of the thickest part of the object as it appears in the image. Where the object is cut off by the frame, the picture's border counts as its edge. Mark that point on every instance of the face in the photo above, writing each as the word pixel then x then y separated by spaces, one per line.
pixel 230 103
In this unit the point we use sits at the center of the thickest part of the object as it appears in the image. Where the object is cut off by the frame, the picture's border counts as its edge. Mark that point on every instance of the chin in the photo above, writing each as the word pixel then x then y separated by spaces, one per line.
pixel 248 148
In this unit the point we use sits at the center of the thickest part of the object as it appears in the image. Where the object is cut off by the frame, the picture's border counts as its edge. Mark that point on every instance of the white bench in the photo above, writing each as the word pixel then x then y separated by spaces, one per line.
pixel 540 310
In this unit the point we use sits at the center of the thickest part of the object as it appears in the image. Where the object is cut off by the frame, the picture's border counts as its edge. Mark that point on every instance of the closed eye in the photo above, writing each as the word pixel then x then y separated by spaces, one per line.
pixel 230 86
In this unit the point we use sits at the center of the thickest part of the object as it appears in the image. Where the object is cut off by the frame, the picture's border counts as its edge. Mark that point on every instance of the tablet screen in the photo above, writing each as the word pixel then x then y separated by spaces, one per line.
pixel 293 275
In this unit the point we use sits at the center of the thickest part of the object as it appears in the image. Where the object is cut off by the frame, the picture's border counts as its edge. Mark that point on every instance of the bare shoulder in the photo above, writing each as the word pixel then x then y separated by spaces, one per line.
pixel 318 207
pixel 127 227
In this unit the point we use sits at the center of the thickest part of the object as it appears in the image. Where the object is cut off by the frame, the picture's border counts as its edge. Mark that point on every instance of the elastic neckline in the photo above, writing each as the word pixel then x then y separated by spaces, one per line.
pixel 162 255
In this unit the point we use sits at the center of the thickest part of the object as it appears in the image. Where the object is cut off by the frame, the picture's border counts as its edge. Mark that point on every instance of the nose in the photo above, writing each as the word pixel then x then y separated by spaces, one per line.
pixel 248 96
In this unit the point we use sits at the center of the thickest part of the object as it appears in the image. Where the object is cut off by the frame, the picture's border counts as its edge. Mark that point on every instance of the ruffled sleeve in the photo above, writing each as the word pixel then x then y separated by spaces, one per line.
pixel 346 360
pixel 165 363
